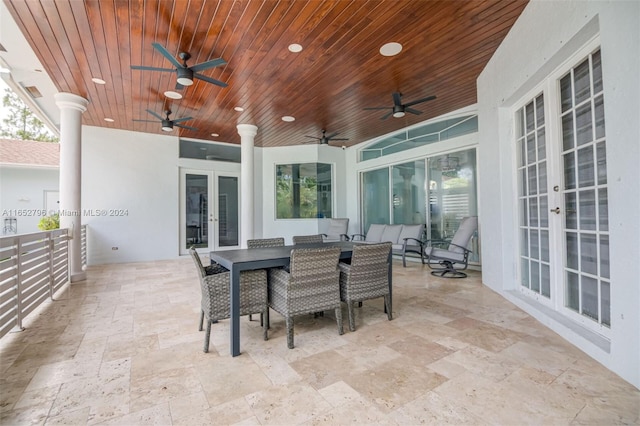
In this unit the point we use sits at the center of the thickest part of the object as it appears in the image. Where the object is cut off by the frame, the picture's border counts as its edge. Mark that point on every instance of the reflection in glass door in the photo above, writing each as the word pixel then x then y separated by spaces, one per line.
pixel 209 212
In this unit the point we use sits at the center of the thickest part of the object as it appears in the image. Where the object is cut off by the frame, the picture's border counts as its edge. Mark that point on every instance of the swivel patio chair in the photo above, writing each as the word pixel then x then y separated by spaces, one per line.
pixel 367 277
pixel 215 286
pixel 307 239
pixel 312 285
pixel 447 254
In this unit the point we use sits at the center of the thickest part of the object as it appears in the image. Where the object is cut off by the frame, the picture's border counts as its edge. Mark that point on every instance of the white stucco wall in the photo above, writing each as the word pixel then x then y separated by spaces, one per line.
pixel 547 34
pixel 138 174
pixel 22 194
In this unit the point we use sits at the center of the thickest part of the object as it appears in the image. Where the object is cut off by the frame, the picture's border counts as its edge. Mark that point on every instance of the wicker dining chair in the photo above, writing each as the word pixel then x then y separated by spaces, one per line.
pixel 367 277
pixel 215 286
pixel 265 242
pixel 307 239
pixel 312 285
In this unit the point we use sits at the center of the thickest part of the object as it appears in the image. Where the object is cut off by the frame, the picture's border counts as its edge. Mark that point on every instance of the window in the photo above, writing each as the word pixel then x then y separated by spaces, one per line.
pixel 303 191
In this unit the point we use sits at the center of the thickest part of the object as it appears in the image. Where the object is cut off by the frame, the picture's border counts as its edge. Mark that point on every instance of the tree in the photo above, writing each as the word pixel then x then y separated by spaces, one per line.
pixel 20 122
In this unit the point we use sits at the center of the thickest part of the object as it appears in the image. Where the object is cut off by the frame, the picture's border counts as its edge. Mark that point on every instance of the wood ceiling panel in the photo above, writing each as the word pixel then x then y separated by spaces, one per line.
pixel 446 44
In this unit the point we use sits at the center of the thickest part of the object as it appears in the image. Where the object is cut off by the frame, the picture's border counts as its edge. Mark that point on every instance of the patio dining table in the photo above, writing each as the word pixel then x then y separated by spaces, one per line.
pixel 240 260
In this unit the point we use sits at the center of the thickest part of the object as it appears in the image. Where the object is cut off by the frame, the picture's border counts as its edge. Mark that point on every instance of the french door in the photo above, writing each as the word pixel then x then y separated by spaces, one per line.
pixel 562 196
pixel 209 216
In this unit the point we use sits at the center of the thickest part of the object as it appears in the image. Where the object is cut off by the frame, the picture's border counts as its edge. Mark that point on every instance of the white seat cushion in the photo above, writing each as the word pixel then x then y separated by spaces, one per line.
pixel 437 253
pixel 375 232
pixel 391 233
pixel 411 231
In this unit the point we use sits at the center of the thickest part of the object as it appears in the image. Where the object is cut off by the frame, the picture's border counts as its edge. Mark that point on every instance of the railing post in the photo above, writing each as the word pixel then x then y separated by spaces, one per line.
pixel 51 276
pixel 19 326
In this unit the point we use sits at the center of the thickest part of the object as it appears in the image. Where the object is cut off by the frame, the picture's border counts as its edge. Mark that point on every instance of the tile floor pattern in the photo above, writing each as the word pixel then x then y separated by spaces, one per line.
pixel 123 348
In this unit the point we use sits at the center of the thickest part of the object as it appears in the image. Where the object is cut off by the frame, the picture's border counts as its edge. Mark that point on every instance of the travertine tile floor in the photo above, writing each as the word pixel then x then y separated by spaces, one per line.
pixel 123 348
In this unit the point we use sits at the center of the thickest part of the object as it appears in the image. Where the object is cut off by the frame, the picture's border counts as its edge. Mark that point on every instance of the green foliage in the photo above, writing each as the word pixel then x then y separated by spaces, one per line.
pixel 20 122
pixel 49 223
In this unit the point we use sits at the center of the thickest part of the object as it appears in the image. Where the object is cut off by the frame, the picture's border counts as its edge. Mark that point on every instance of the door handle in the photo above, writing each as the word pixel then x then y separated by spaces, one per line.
pixel 556 210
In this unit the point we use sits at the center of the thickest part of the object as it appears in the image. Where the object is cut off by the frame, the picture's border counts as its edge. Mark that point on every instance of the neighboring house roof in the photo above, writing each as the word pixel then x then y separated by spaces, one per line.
pixel 15 152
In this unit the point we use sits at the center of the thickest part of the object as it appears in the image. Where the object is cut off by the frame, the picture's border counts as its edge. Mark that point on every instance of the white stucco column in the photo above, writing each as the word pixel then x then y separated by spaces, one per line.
pixel 71 109
pixel 247 133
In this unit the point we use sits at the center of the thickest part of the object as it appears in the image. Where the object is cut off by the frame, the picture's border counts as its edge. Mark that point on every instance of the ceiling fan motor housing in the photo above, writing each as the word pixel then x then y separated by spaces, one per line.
pixel 185 76
pixel 167 125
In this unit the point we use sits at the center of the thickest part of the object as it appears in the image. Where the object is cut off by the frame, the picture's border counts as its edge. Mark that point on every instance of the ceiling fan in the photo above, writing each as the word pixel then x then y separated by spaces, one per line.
pixel 167 123
pixel 185 73
pixel 398 109
pixel 324 140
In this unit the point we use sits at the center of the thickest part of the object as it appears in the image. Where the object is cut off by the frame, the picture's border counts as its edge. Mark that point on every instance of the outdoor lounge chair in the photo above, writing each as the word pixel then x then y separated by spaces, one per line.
pixel 307 239
pixel 447 254
pixel 336 230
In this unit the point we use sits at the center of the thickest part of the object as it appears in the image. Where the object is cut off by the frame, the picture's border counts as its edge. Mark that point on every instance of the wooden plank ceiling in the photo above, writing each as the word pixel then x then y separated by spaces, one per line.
pixel 340 71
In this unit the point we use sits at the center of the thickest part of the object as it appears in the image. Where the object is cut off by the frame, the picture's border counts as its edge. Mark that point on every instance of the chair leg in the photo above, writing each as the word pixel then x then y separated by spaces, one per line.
pixel 387 308
pixel 267 319
pixel 206 336
pixel 289 323
pixel 404 260
pixel 265 324
pixel 339 320
pixel 201 320
pixel 250 317
pixel 352 322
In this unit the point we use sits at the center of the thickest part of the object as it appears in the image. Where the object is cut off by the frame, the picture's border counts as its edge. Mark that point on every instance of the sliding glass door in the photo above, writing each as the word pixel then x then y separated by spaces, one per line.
pixel 437 191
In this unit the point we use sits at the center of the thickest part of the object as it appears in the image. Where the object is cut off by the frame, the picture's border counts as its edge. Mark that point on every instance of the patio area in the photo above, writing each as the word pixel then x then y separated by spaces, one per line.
pixel 124 348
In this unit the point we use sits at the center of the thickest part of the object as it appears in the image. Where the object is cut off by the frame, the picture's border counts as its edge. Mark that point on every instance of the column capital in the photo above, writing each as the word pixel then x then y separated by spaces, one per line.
pixel 69 100
pixel 247 130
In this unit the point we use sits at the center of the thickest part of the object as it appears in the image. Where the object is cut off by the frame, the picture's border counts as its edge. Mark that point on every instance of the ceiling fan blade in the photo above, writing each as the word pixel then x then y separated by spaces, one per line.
pixel 412 111
pixel 140 67
pixel 331 135
pixel 167 55
pixel 396 98
pixel 210 80
pixel 208 64
pixel 312 137
pixel 372 108
pixel 146 121
pixel 180 120
pixel 429 98
pixel 387 115
pixel 339 139
pixel 155 114
pixel 183 126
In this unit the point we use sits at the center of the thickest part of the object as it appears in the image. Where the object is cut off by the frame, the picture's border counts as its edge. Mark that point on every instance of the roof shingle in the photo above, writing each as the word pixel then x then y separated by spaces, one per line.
pixel 35 153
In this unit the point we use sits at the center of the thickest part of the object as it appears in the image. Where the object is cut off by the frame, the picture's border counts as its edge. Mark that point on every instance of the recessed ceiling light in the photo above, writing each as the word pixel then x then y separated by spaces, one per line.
pixel 288 118
pixel 173 95
pixel 295 48
pixel 215 135
pixel 109 120
pixel 97 80
pixel 390 49
pixel 239 109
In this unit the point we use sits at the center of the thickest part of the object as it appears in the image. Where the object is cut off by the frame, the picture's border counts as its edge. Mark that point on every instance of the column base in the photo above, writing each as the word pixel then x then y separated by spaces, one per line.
pixel 78 276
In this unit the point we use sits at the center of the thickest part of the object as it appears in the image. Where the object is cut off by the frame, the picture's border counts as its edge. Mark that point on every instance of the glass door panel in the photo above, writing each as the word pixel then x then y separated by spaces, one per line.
pixel 196 211
pixel 452 195
pixel 228 217
pixel 585 224
pixel 375 198
pixel 409 195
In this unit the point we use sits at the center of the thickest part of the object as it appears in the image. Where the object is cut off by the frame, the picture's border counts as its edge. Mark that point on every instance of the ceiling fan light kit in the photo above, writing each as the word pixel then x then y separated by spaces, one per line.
pixel 185 76
pixel 399 109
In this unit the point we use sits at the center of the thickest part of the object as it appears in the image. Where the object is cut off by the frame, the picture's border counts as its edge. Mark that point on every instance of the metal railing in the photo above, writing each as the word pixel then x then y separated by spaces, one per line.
pixel 33 267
